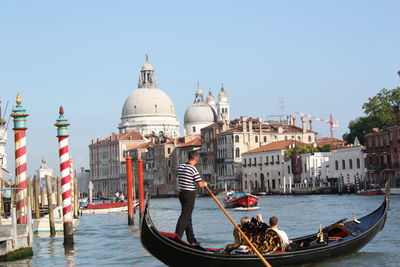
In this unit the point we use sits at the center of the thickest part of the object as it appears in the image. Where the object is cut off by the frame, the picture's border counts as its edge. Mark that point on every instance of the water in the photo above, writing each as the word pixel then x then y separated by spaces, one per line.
pixel 106 240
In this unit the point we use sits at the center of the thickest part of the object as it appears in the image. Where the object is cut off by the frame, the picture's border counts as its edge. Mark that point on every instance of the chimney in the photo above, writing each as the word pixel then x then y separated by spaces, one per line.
pixel 396 117
pixel 250 125
pixel 304 124
pixel 310 121
pixel 293 121
pixel 244 123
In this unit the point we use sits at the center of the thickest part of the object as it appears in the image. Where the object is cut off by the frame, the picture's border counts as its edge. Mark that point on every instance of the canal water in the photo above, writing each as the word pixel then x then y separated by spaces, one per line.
pixel 106 240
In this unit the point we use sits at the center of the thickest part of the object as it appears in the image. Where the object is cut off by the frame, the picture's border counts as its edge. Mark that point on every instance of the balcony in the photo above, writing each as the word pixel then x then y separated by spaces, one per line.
pixel 219 160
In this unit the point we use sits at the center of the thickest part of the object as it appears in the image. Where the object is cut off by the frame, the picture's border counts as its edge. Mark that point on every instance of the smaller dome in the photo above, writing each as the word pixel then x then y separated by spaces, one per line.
pixel 147 66
pixel 200 112
pixel 210 97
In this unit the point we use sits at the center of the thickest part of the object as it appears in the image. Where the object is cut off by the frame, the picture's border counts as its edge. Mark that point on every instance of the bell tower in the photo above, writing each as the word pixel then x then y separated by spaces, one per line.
pixel 223 109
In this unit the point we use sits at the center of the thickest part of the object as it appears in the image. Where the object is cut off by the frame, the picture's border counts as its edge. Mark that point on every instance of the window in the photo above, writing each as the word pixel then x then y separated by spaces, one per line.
pixel 272 160
pixel 286 137
pixel 169 163
pixel 336 165
pixel 255 162
pixel 169 177
pixel 277 159
pixel 237 152
pixel 350 163
pixel 249 162
pixel 358 163
pixel 288 169
pixel 236 138
pixel 267 160
pixel 309 139
pixel 265 139
pixel 244 162
pixel 343 164
pixel 194 129
pixel 169 150
pixel 256 139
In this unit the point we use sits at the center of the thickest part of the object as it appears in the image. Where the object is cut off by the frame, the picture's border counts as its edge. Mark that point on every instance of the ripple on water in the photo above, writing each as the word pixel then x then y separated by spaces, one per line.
pixel 106 240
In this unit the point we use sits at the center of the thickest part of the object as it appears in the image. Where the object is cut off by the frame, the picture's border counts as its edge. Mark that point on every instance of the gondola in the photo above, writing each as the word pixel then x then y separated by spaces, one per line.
pixel 341 238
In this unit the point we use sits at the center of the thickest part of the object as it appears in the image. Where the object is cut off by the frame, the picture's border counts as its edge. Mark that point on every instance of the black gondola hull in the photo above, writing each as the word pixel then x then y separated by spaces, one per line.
pixel 176 254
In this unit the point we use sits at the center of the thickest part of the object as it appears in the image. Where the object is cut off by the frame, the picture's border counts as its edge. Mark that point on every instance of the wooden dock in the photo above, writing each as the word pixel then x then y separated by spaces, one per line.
pixel 15 239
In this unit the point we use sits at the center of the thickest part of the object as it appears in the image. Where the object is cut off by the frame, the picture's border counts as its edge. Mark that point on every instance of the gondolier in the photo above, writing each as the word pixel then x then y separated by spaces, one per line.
pixel 188 176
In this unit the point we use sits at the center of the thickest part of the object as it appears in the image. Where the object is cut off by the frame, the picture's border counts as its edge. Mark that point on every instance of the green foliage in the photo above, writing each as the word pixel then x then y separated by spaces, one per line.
pixel 378 111
pixel 307 149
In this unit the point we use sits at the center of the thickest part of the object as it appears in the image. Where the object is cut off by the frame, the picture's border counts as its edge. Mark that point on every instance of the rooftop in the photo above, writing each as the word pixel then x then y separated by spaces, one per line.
pixel 280 145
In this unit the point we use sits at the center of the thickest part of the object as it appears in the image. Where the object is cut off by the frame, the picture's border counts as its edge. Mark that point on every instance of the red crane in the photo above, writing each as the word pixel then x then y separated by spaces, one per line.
pixel 331 122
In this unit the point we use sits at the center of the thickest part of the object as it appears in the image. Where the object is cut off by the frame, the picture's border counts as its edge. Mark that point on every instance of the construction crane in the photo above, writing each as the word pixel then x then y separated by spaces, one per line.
pixel 331 122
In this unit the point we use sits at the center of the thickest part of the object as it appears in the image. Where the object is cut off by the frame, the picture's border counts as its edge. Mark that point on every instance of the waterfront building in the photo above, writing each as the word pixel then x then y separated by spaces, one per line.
pixel 148 109
pixel 160 162
pixel 225 142
pixel 83 178
pixel 44 171
pixel 107 161
pixel 264 168
pixel 3 142
pixel 333 143
pixel 200 114
pixel 268 168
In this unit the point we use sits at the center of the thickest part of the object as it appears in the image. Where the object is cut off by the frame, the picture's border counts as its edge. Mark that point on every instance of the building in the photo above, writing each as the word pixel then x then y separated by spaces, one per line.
pixel 3 142
pixel 199 115
pixel 44 171
pixel 148 109
pixel 83 178
pixel 382 148
pixel 264 168
pixel 333 143
pixel 161 160
pixel 245 134
pixel 107 161
pixel 270 169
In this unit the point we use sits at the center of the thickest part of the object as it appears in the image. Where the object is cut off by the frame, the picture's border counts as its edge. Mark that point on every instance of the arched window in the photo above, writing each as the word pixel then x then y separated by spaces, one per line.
pixel 256 139
pixel 336 165
pixel 237 152
pixel 265 139
pixel 343 164
pixel 236 138
pixel 358 163
pixel 350 163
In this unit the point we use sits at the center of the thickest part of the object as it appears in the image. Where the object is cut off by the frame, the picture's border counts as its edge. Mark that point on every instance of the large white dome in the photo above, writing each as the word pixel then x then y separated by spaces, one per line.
pixel 200 112
pixel 148 102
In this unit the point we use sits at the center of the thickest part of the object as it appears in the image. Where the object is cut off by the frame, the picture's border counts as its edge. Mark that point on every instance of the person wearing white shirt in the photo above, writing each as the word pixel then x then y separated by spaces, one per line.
pixel 273 222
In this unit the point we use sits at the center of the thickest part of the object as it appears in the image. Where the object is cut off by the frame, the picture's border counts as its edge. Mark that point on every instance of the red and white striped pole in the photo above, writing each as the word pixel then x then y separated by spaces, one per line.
pixel 19 117
pixel 62 134
pixel 72 177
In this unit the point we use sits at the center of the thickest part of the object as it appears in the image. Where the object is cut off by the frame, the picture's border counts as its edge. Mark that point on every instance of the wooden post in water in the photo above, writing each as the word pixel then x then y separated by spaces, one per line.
pixel 36 193
pixel 59 194
pixel 49 188
pixel 129 190
pixel 141 186
pixel 62 135
pixel 76 196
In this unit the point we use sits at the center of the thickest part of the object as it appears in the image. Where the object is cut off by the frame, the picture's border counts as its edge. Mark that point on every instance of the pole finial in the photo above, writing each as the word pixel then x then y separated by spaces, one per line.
pixel 147 58
pixel 61 111
pixel 18 100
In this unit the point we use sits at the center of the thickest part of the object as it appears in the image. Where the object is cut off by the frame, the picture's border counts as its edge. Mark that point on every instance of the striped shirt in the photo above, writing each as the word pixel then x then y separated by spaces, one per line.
pixel 187 176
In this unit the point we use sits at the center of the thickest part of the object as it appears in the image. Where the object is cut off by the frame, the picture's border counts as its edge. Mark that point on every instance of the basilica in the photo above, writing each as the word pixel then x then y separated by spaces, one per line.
pixel 149 110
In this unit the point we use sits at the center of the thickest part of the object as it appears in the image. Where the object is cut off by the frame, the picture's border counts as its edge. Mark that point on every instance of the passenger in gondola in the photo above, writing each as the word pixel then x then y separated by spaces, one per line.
pixel 237 240
pixel 273 222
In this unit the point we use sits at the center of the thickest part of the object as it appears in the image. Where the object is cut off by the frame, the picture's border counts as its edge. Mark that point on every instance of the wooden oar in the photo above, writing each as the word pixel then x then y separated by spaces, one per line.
pixel 238 228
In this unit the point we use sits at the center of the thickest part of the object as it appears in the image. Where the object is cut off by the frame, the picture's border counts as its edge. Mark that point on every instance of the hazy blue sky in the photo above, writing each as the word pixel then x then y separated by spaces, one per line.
pixel 322 56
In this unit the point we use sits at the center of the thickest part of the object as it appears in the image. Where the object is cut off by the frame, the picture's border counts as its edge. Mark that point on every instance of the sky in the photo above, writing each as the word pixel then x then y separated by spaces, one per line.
pixel 322 56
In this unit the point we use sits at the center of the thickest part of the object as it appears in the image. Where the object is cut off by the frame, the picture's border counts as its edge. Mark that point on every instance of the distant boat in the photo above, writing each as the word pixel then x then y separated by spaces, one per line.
pixel 395 191
pixel 103 208
pixel 371 192
pixel 243 200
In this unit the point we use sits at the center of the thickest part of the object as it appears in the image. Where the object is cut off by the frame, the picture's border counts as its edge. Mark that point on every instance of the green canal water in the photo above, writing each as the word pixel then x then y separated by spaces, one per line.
pixel 106 240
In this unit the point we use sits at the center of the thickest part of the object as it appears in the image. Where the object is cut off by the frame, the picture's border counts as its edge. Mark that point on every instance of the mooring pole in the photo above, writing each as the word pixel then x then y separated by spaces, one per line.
pixel 49 188
pixel 62 134
pixel 141 186
pixel 19 117
pixel 36 193
pixel 129 189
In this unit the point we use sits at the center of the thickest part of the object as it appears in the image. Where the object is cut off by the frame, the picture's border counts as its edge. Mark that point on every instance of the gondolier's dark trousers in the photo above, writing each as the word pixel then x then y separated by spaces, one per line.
pixel 184 224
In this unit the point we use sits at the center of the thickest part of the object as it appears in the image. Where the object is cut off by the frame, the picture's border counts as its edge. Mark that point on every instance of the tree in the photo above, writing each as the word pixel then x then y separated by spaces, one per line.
pixel 378 111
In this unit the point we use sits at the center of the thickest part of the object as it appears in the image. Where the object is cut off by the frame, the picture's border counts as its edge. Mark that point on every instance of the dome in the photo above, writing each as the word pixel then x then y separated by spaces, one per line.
pixel 148 101
pixel 200 113
pixel 147 66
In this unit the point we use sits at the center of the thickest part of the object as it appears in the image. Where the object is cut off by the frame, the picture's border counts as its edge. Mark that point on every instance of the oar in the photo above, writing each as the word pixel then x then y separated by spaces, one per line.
pixel 238 228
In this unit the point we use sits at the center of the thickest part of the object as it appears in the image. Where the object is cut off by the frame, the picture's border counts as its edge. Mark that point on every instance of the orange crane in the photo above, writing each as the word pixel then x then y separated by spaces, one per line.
pixel 331 122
